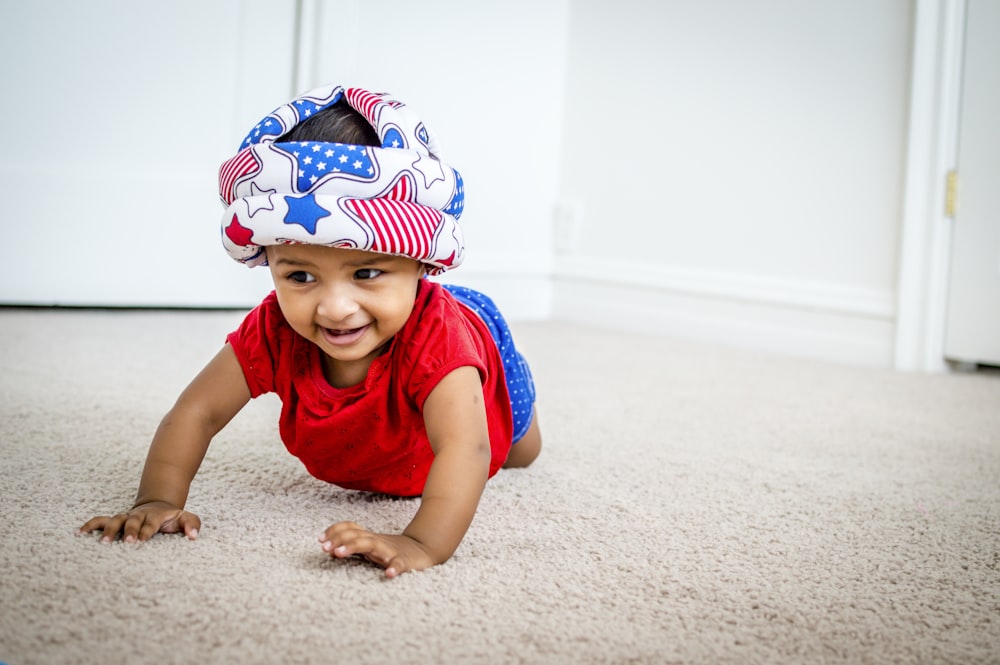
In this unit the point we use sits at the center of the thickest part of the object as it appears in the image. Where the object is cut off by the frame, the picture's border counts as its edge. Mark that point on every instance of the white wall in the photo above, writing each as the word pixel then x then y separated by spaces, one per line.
pixel 722 169
pixel 122 112
pixel 487 78
pixel 734 171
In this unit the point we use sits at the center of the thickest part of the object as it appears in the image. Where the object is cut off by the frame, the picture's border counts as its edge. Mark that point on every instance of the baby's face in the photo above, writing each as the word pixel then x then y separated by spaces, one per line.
pixel 348 302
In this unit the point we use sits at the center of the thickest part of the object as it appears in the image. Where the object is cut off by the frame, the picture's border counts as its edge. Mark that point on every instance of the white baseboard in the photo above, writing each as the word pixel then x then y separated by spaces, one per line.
pixel 520 296
pixel 827 322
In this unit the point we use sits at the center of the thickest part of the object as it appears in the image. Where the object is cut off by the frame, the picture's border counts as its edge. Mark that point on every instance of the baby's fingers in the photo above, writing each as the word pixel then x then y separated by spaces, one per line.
pixel 110 526
pixel 347 539
pixel 127 524
pixel 363 544
pixel 340 539
pixel 396 566
pixel 94 524
pixel 398 554
pixel 142 524
pixel 185 522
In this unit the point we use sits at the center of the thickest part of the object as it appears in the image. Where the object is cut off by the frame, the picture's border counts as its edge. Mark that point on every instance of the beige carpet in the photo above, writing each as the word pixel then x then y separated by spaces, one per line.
pixel 693 504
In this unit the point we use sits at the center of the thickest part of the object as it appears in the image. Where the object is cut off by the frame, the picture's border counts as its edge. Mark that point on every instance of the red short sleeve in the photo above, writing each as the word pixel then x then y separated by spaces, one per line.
pixel 438 342
pixel 255 347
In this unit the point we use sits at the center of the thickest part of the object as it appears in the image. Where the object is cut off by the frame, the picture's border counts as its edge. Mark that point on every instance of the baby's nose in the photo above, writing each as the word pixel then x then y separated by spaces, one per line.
pixel 337 304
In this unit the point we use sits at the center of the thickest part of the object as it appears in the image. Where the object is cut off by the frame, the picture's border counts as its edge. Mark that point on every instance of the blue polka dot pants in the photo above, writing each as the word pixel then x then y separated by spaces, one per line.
pixel 520 385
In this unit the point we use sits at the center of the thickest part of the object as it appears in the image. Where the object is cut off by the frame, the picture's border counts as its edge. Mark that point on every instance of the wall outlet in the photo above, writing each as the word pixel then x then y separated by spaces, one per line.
pixel 567 220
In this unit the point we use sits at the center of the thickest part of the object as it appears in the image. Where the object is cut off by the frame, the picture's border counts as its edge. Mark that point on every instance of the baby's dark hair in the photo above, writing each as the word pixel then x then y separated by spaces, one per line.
pixel 338 123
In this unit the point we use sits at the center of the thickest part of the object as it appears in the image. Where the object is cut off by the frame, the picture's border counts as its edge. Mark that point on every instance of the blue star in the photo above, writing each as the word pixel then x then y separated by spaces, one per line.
pixel 305 212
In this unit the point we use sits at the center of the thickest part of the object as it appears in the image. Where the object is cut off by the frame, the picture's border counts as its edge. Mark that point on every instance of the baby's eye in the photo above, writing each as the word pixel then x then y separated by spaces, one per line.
pixel 367 273
pixel 301 277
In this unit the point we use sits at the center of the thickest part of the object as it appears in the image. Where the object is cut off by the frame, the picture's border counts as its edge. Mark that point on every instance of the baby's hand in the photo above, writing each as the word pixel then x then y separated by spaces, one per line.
pixel 396 553
pixel 142 522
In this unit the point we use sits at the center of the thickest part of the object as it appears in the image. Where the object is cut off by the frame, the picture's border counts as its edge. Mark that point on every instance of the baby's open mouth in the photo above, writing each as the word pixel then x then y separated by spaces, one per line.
pixel 347 331
pixel 344 335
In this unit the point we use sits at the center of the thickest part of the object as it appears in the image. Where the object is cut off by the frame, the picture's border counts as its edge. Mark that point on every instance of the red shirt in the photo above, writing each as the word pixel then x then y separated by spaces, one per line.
pixel 371 436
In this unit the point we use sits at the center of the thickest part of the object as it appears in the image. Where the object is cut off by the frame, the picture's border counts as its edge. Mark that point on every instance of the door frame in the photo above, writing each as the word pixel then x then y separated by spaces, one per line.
pixel 932 152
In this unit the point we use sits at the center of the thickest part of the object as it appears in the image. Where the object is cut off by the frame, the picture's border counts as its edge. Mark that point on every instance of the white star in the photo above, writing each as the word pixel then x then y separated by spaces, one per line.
pixel 321 166
pixel 343 159
pixel 430 168
pixel 257 200
pixel 317 148
pixel 356 164
pixel 328 153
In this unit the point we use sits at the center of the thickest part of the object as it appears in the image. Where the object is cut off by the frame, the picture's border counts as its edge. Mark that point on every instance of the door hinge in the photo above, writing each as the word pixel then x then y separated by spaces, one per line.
pixel 951 193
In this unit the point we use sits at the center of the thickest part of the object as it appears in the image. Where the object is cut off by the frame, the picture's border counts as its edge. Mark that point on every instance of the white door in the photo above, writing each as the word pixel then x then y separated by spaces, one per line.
pixel 973 321
pixel 116 116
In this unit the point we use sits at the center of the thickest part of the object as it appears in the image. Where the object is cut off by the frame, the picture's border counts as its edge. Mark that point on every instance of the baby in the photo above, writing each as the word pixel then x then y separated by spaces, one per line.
pixel 389 382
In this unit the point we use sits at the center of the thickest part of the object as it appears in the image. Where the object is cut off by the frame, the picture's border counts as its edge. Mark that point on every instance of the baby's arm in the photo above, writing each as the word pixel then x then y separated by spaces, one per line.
pixel 455 417
pixel 205 407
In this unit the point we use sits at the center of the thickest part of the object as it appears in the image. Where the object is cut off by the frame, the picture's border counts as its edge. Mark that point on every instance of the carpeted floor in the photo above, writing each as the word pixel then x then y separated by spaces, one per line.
pixel 693 504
